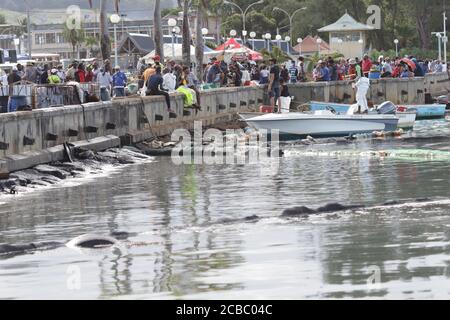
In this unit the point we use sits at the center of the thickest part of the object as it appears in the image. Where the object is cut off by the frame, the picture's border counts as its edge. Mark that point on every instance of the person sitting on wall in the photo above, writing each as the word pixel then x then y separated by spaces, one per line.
pixel 155 87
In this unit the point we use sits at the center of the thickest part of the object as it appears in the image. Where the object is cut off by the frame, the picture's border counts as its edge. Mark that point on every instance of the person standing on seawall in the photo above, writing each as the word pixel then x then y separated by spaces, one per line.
pixel 274 84
pixel 119 82
pixel 104 81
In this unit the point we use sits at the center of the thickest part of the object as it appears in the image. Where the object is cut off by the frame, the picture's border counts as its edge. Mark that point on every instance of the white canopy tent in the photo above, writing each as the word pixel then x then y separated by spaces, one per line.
pixel 176 52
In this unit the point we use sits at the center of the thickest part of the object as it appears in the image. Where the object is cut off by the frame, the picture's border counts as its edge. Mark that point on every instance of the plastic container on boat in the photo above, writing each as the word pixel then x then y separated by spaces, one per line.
pixel 266 109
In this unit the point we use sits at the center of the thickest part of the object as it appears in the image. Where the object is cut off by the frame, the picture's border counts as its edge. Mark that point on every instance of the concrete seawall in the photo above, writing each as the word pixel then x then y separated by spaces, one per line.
pixel 399 91
pixel 31 138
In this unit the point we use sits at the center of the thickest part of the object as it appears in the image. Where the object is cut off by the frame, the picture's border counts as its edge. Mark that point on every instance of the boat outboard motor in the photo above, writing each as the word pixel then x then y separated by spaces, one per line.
pixel 387 108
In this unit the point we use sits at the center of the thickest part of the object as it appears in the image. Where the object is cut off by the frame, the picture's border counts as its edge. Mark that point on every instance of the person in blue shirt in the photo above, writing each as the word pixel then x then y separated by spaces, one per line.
pixel 405 72
pixel 293 73
pixel 119 82
pixel 325 72
pixel 418 72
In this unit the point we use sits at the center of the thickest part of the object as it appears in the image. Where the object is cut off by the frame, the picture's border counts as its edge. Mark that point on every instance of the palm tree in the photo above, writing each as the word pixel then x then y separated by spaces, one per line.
pixel 199 45
pixel 21 29
pixel 75 37
pixel 158 30
pixel 91 43
pixel 186 33
pixel 105 41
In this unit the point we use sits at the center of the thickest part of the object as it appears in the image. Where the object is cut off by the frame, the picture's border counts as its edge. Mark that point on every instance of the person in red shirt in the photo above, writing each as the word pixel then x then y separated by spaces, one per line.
pixel 366 65
pixel 89 77
pixel 80 74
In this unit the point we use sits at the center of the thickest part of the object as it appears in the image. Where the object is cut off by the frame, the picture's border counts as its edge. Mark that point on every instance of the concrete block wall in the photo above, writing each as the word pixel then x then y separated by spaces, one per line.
pixel 140 118
pixel 135 119
pixel 399 91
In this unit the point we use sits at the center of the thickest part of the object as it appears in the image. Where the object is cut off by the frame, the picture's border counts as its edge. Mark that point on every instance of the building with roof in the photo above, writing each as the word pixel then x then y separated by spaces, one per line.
pixel 310 46
pixel 348 36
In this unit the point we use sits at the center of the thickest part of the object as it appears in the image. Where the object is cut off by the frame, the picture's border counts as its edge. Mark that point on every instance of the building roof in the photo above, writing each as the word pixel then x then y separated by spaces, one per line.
pixel 137 43
pixel 309 45
pixel 346 23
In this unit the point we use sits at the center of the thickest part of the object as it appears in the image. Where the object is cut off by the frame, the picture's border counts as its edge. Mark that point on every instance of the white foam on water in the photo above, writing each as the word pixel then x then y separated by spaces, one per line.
pixel 102 170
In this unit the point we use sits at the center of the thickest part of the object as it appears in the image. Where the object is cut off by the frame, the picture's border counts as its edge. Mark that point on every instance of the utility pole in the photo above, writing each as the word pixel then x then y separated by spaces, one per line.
pixel 445 38
pixel 29 30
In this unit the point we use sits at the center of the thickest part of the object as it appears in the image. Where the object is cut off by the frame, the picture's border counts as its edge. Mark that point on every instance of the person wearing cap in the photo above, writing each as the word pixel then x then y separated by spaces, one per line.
pixel 157 60
pixel 119 82
pixel 53 78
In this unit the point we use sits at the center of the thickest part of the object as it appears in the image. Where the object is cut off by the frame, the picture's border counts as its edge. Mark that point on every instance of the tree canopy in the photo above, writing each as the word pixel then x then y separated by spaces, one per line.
pixel 410 21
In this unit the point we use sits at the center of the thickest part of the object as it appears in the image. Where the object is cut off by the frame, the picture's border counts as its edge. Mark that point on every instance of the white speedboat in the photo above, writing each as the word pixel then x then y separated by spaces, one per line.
pixel 406 118
pixel 321 124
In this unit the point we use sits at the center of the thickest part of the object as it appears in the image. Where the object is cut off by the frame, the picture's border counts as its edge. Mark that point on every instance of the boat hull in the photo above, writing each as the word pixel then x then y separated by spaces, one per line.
pixel 302 125
pixel 406 119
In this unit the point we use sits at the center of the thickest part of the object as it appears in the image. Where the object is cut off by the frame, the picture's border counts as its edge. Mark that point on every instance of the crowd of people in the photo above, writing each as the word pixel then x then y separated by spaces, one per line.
pixel 384 67
pixel 154 78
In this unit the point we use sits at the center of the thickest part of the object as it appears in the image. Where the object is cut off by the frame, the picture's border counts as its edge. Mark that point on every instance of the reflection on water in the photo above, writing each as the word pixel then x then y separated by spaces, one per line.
pixel 177 211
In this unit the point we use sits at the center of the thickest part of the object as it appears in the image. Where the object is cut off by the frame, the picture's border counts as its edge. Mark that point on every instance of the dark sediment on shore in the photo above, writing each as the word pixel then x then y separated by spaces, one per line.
pixel 84 162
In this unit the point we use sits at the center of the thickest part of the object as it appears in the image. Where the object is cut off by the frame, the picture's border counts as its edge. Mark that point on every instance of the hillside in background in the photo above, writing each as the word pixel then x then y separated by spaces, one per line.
pixel 134 9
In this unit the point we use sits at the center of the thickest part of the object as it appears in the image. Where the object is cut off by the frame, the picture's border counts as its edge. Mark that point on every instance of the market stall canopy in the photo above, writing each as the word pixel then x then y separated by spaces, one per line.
pixel 240 52
pixel 175 52
pixel 230 44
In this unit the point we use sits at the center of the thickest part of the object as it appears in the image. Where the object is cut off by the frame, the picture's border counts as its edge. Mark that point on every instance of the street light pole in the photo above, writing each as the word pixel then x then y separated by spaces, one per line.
pixel 172 24
pixel 445 38
pixel 244 13
pixel 439 36
pixel 115 19
pixel 300 41
pixel 29 29
pixel 291 17
pixel 396 47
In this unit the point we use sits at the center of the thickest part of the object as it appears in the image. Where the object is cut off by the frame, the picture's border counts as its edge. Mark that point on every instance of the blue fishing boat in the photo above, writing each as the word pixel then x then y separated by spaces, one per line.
pixel 426 111
pixel 423 111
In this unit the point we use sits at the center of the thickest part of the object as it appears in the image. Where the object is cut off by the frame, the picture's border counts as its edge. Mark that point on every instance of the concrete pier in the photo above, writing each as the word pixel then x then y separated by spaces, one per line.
pixel 31 138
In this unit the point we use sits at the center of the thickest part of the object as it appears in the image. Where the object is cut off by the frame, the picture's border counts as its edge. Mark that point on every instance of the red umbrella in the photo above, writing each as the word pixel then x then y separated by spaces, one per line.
pixel 410 63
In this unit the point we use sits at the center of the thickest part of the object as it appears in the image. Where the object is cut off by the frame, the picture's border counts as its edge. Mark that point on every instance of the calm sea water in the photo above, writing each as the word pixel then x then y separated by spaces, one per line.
pixel 189 254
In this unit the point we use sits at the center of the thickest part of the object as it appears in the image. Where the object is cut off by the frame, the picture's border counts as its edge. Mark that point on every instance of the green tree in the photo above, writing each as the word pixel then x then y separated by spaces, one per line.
pixel 2 19
pixel 75 37
pixel 92 44
pixel 105 41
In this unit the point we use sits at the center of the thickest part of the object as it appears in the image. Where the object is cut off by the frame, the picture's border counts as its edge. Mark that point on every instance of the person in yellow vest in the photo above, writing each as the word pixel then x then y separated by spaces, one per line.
pixel 54 78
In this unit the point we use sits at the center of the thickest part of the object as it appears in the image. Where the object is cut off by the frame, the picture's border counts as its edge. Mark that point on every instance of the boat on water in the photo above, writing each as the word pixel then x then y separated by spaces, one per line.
pixel 406 118
pixel 425 111
pixel 323 124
